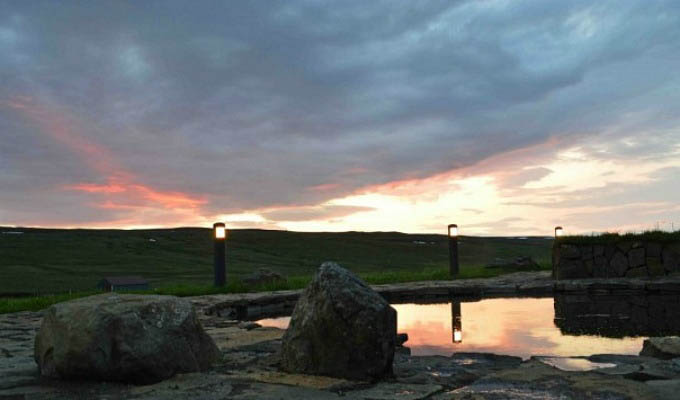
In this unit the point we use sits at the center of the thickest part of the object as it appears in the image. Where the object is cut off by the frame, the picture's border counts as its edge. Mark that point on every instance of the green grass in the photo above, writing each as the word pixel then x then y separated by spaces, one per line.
pixel 53 261
pixel 612 237
pixel 35 303
pixel 44 266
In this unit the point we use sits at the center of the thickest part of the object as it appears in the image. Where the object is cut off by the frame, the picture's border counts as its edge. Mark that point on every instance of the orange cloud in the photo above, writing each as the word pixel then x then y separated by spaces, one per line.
pixel 168 199
pixel 123 191
pixel 324 187
pixel 94 188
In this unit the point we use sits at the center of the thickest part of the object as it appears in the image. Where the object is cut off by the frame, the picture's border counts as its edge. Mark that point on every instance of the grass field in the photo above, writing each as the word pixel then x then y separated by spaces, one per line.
pixel 612 237
pixel 52 261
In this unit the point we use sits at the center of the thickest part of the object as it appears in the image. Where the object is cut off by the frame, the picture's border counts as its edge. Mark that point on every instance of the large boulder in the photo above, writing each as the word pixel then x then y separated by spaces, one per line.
pixel 128 338
pixel 340 327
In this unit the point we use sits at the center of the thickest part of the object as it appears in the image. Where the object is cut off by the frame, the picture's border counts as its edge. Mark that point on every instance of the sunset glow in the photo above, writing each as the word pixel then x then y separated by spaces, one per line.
pixel 473 112
pixel 519 327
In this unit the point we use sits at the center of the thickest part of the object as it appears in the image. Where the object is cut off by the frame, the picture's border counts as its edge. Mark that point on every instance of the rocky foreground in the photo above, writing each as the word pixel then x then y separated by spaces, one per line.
pixel 250 370
pixel 250 366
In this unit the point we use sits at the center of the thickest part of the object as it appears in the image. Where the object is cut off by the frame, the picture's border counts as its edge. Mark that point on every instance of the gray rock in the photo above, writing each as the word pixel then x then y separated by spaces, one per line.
pixel 598 250
pixel 128 338
pixel 637 272
pixel 618 264
pixel 624 246
pixel 671 260
pixel 586 252
pixel 661 347
pixel 535 380
pixel 599 267
pixel 263 276
pixel 665 389
pixel 636 257
pixel 569 251
pixel 340 327
pixel 522 262
pixel 248 325
pixel 653 249
pixel 571 269
pixel 451 372
pixel 389 391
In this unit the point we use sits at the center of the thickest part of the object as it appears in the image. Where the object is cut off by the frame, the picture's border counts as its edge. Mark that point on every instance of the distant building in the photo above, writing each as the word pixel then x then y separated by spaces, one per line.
pixel 123 283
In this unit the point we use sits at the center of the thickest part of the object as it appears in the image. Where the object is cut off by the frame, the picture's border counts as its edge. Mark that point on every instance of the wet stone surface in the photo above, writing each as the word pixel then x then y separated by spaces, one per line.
pixel 250 369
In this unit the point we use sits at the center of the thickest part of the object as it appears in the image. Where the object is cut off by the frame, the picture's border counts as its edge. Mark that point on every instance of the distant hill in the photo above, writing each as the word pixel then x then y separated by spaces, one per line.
pixel 57 260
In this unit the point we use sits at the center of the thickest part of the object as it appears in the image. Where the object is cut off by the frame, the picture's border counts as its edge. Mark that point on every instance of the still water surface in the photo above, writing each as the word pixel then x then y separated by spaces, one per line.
pixel 518 326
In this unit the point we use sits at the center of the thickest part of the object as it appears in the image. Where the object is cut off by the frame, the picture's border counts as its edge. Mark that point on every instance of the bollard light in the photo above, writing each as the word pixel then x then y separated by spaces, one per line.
pixel 456 322
pixel 453 230
pixel 220 231
pixel 559 232
pixel 453 249
pixel 220 268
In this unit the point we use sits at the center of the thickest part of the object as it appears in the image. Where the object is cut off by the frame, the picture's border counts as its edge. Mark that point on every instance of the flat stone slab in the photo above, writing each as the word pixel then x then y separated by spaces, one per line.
pixel 519 284
pixel 390 391
pixel 536 380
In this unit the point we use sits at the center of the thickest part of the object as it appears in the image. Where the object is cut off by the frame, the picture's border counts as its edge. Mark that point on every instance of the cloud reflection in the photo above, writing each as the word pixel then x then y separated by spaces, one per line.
pixel 520 327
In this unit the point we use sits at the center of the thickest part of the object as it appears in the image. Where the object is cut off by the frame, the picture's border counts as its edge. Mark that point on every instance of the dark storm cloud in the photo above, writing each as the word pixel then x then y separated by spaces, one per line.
pixel 264 103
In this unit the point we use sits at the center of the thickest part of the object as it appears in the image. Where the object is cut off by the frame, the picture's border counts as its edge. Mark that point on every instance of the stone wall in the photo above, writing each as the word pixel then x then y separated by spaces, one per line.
pixel 614 260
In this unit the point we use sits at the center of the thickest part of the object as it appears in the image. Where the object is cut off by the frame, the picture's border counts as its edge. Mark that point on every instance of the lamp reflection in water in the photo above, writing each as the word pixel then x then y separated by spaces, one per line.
pixel 456 322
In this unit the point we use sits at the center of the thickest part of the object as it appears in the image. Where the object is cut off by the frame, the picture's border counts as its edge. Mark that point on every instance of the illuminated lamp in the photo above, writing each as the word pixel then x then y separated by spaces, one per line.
pixel 559 232
pixel 219 237
pixel 453 249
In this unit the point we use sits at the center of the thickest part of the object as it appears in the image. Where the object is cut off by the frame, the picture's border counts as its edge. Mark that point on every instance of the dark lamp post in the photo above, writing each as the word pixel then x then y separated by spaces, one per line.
pixel 219 237
pixel 453 249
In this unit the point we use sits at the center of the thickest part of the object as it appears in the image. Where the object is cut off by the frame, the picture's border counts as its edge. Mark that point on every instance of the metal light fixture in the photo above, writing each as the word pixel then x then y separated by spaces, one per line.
pixel 220 231
pixel 453 249
pixel 453 230
pixel 559 232
pixel 219 237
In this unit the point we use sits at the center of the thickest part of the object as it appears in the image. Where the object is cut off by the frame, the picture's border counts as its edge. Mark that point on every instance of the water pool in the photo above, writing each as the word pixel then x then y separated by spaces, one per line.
pixel 527 326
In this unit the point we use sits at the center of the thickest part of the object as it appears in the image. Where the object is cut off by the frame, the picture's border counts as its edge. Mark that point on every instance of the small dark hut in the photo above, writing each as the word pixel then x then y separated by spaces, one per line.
pixel 123 283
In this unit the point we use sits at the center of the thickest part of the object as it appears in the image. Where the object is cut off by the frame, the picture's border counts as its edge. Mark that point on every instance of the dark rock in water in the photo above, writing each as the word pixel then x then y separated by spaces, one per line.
pixel 661 347
pixel 128 338
pixel 248 325
pixel 521 263
pixel 263 276
pixel 340 327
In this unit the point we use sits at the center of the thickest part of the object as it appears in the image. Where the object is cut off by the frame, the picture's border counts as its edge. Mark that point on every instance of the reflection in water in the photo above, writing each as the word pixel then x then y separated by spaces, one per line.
pixel 520 327
pixel 456 323
pixel 617 316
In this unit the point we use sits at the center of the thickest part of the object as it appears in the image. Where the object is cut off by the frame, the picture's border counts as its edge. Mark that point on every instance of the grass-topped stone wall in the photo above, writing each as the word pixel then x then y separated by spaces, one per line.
pixel 613 256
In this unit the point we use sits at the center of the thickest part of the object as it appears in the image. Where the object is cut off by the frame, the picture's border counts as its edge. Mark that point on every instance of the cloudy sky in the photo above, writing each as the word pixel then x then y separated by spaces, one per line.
pixel 506 117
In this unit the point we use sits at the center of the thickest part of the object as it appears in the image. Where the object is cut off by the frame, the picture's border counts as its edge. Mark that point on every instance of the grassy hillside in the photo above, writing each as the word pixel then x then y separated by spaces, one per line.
pixel 53 260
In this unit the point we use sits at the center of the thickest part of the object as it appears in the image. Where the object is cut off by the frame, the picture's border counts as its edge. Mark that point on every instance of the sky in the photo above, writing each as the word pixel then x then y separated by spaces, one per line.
pixel 505 117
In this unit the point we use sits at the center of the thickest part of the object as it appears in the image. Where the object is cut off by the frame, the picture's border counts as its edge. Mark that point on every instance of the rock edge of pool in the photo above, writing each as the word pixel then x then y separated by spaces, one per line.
pixel 249 366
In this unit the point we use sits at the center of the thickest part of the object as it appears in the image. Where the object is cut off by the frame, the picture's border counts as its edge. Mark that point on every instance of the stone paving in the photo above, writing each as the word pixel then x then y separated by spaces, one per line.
pixel 249 369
